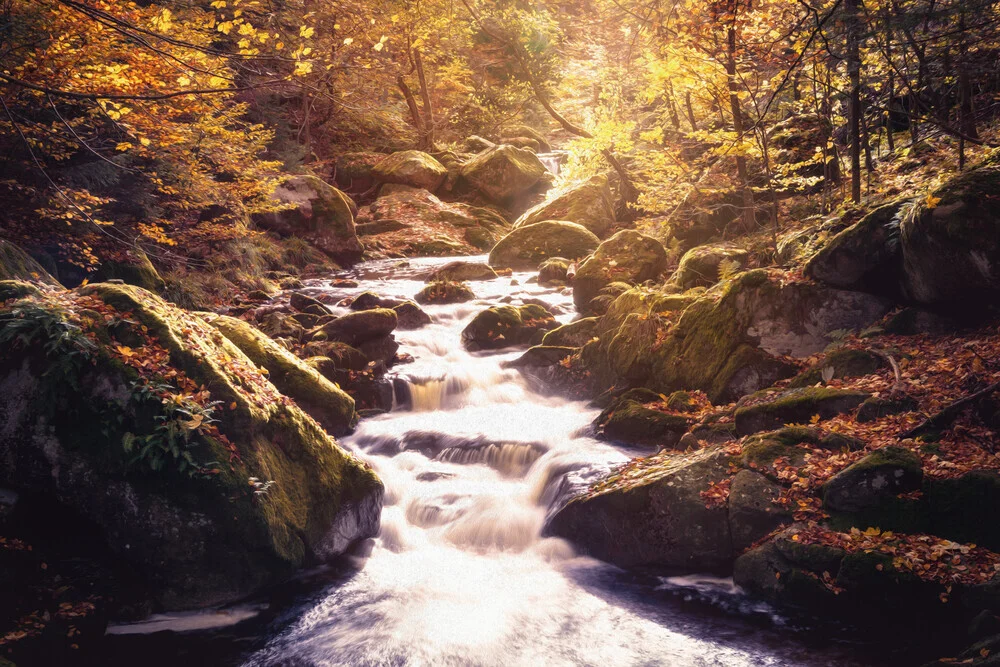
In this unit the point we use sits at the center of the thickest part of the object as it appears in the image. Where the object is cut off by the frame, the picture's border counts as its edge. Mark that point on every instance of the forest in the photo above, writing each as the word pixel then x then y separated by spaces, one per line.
pixel 495 332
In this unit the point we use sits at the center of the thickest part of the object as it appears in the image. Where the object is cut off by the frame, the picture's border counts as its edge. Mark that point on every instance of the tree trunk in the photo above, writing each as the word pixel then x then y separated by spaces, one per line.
pixel 690 111
pixel 737 113
pixel 411 102
pixel 854 105
pixel 427 141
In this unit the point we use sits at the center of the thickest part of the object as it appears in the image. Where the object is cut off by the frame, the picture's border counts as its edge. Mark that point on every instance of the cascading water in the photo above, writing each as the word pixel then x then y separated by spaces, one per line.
pixel 460 574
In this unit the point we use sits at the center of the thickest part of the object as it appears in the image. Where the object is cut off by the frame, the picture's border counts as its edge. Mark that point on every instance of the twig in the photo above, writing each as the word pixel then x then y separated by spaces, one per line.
pixel 949 413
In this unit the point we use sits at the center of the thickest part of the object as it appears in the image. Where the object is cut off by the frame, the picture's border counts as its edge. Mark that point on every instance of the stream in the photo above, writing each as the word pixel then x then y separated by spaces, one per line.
pixel 473 460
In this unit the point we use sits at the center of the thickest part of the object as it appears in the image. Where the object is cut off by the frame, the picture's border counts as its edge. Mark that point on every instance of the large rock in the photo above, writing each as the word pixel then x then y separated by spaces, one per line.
pixel 633 423
pixel 796 406
pixel 951 240
pixel 460 271
pixel 15 264
pixel 171 494
pixel 414 222
pixel 655 516
pixel 884 473
pixel 322 400
pixel 574 334
pixel 358 327
pixel 527 247
pixel 504 172
pixel 132 267
pixel 861 257
pixel 354 172
pixel 316 212
pixel 627 257
pixel 753 508
pixel 413 168
pixel 700 266
pixel 589 204
pixel 504 326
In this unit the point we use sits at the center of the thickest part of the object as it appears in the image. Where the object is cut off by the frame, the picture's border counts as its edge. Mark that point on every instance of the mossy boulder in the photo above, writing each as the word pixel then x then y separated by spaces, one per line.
pixel 505 326
pixel 322 400
pixel 753 510
pixel 885 473
pixel 589 204
pixel 528 132
pixel 552 272
pixel 655 516
pixel 627 257
pixel 307 304
pixel 133 268
pixel 540 356
pixel 476 144
pixel 504 172
pixel 784 571
pixel 315 211
pixel 796 406
pixel 841 363
pixel 791 444
pixel 877 407
pixel 358 327
pixel 69 408
pixel 633 423
pixel 527 247
pixel 951 249
pixel 700 266
pixel 445 291
pixel 354 170
pixel 16 264
pixel 282 325
pixel 413 168
pixel 410 316
pixel 461 271
pixel 863 256
pixel 574 334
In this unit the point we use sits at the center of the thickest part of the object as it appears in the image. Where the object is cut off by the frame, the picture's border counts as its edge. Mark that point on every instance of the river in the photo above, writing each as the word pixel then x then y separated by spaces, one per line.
pixel 473 460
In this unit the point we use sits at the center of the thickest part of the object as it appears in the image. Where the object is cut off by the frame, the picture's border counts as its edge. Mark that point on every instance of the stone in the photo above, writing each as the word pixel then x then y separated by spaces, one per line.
pixel 700 266
pixel 633 423
pixel 505 326
pixel 574 334
pixel 132 267
pixel 504 172
pixel 553 271
pixel 16 264
pixel 796 406
pixel 527 247
pixel 444 291
pixel 358 327
pixel 461 271
pixel 413 168
pixel 627 257
pixel 753 512
pixel 589 204
pixel 884 473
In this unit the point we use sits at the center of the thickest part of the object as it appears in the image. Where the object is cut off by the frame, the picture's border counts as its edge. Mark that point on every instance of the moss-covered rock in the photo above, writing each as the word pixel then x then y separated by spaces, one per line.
pixel 282 325
pixel 133 268
pixel 358 327
pixel 843 362
pixel 504 172
pixel 307 304
pixel 574 334
pixel 322 400
pixel 191 541
pixel 528 132
pixel 317 212
pixel 700 266
pixel 504 326
pixel 627 257
pixel 589 204
pixel 445 291
pixel 771 572
pixel 462 271
pixel 411 316
pixel 552 272
pixel 540 356
pixel 884 473
pixel 633 423
pixel 877 407
pixel 527 247
pixel 753 512
pixel 796 406
pixel 863 256
pixel 413 168
pixel 655 516
pixel 16 264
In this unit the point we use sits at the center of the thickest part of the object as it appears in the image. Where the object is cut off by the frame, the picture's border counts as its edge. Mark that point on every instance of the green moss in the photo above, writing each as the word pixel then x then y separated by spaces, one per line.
pixel 136 270
pixel 17 289
pixel 797 406
pixel 15 264
pixel 574 334
pixel 845 362
pixel 527 247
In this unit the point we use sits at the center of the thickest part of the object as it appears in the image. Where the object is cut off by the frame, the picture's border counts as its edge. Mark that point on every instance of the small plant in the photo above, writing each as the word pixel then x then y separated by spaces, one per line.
pixel 175 434
pixel 35 328
pixel 728 268
pixel 260 488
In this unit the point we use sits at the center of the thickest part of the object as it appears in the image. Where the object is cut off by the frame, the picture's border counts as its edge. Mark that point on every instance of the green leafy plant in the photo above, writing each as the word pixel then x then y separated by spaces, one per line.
pixel 33 328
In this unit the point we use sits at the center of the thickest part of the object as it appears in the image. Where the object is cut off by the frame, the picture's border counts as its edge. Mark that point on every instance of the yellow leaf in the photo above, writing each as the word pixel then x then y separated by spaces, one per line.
pixel 348 41
pixel 123 146
pixel 932 201
pixel 306 32
pixel 144 141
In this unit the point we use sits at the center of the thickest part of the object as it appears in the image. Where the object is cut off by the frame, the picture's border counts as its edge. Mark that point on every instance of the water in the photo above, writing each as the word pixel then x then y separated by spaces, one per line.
pixel 460 574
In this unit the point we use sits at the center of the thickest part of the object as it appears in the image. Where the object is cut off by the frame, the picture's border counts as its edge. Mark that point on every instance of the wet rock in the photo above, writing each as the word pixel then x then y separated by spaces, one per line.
pixel 382 349
pixel 132 267
pixel 553 271
pixel 319 213
pixel 589 204
pixel 413 168
pixel 477 144
pixel 411 316
pixel 16 264
pixel 307 304
pixel 796 406
pixel 368 301
pixel 358 327
pixel 504 172
pixel 342 355
pixel 462 271
pixel 753 512
pixel 884 473
pixel 444 291
pixel 280 325
pixel 627 257
pixel 504 326
pixel 633 423
pixel 540 356
pixel 700 266
pixel 574 334
pixel 654 519
pixel 527 247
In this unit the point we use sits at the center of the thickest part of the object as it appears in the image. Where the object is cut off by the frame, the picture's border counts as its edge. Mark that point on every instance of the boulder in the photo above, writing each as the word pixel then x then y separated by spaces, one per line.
pixel 380 350
pixel 476 144
pixel 844 362
pixel 410 316
pixel 461 271
pixel 753 511
pixel 323 401
pixel 796 406
pixel 877 407
pixel 343 356
pixel 444 291
pixel 885 473
pixel 255 491
pixel 862 257
pixel 413 168
pixel 316 212
pixel 654 516
pixel 632 423
pixel 528 132
pixel 504 326
pixel 503 173
pixel 131 267
pixel 16 264
pixel 627 257
pixel 354 171
pixel 702 266
pixel 307 304
pixel 281 325
pixel 358 327
pixel 553 271
pixel 950 240
pixel 574 334
pixel 589 204
pixel 527 247
pixel 413 222
pixel 540 356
